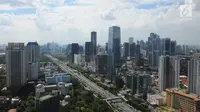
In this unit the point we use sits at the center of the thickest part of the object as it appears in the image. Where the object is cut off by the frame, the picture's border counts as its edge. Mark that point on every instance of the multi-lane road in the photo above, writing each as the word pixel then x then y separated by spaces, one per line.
pixel 118 107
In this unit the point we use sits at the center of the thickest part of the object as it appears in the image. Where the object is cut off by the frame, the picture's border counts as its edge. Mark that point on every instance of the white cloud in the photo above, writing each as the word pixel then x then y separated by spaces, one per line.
pixel 66 24
pixel 5 19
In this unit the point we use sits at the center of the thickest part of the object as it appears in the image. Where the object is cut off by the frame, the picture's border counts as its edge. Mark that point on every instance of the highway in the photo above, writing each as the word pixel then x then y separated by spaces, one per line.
pixel 119 106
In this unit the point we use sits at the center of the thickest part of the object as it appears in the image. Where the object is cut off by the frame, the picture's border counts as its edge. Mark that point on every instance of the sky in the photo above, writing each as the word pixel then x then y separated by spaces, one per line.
pixel 68 21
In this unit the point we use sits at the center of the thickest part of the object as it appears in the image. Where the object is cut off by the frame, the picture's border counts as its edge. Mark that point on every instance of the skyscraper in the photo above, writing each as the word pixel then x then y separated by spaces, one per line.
pixel 169 70
pixel 132 49
pixel 138 55
pixel 131 40
pixel 74 50
pixel 32 60
pixel 126 50
pixel 173 48
pixel 114 51
pixel 88 51
pixel 94 42
pixel 101 64
pixel 194 75
pixel 154 50
pixel 167 46
pixel 15 65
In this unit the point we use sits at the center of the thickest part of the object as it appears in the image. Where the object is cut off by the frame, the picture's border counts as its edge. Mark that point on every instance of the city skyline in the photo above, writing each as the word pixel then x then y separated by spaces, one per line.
pixel 68 21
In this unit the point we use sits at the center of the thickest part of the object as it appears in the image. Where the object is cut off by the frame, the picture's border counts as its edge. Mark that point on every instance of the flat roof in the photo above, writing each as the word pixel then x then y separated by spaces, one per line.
pixel 45 97
pixel 192 96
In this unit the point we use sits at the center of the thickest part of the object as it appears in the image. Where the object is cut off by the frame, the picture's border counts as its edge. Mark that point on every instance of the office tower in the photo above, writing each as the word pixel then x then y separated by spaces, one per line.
pixel 15 66
pixel 142 44
pixel 154 50
pixel 173 48
pixel 167 46
pixel 94 42
pixel 178 49
pixel 101 64
pixel 74 50
pixel 131 40
pixel 106 47
pixel 81 49
pixel 168 73
pixel 194 75
pixel 126 50
pixel 138 55
pixel 131 82
pixel 88 51
pixel 114 51
pixel 32 60
pixel 132 49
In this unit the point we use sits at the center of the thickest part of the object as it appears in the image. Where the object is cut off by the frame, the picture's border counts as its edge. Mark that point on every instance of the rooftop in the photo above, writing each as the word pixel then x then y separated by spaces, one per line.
pixel 192 96
pixel 45 97
pixel 32 43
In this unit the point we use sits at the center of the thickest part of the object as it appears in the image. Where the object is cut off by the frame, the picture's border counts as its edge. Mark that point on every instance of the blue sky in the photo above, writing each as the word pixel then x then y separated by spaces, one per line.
pixel 73 20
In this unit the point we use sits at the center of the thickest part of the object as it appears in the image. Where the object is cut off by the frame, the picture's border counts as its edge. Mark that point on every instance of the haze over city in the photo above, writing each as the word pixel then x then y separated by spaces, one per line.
pixel 67 21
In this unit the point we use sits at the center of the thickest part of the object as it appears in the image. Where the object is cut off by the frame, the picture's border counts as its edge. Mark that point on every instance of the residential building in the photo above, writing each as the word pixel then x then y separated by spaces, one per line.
pixel 15 65
pixel 78 59
pixel 169 71
pixel 32 60
pixel 74 50
pixel 114 51
pixel 194 75
pixel 182 101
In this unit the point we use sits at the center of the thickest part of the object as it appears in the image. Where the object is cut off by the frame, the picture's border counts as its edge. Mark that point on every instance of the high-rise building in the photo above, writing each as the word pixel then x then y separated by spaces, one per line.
pixel 101 64
pixel 32 60
pixel 167 46
pixel 88 51
pixel 138 55
pixel 126 50
pixel 154 50
pixel 81 49
pixel 94 42
pixel 173 48
pixel 74 50
pixel 131 83
pixel 114 51
pixel 132 49
pixel 15 65
pixel 169 71
pixel 106 48
pixel 131 40
pixel 194 75
pixel 142 44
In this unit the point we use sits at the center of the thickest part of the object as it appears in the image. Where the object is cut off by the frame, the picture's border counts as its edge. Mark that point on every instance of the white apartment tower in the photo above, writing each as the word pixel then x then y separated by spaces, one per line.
pixel 32 60
pixel 194 75
pixel 168 72
pixel 15 65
